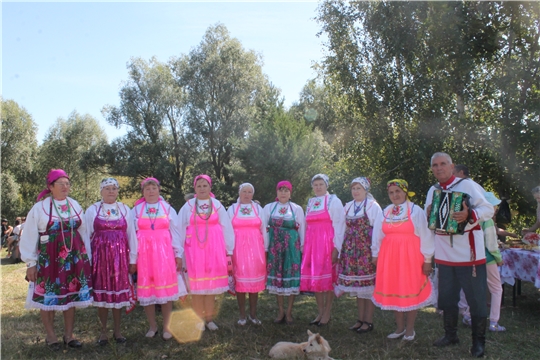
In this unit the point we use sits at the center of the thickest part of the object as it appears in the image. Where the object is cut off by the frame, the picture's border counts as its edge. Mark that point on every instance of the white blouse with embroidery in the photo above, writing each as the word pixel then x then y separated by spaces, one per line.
pixel 37 220
pixel 287 211
pixel 113 212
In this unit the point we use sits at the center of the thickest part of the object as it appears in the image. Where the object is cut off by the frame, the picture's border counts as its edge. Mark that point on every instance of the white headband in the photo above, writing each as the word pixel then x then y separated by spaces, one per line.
pixel 244 185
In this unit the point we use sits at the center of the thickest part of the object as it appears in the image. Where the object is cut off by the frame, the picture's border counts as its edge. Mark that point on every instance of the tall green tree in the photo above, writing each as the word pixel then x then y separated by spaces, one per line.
pixel 67 144
pixel 18 151
pixel 159 142
pixel 222 82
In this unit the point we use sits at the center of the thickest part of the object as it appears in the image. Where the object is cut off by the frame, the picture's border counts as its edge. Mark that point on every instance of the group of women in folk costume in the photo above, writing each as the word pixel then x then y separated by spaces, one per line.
pixel 278 248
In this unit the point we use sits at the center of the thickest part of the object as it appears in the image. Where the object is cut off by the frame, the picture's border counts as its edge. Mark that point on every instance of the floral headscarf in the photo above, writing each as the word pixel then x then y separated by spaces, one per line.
pixel 322 177
pixel 403 185
pixel 366 184
pixel 109 181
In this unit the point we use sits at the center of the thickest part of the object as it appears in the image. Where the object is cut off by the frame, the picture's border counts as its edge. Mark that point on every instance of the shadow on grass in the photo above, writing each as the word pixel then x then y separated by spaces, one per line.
pixel 23 335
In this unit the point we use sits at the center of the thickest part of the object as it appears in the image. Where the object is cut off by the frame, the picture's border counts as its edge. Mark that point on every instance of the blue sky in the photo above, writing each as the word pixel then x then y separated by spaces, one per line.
pixel 65 56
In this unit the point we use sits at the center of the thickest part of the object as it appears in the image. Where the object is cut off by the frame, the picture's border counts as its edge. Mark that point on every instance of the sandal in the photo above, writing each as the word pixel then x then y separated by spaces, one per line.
pixel 54 346
pixel 242 322
pixel 120 340
pixel 254 320
pixel 369 328
pixel 354 327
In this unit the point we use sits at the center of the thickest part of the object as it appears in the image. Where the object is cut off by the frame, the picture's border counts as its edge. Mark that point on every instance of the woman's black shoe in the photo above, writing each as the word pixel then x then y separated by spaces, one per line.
pixel 361 331
pixel 73 343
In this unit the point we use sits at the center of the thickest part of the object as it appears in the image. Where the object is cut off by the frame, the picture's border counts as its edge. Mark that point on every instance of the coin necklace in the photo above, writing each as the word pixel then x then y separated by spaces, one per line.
pixel 62 223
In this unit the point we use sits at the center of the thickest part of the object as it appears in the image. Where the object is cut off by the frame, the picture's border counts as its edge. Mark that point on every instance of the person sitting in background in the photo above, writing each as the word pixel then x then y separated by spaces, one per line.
pixel 15 235
pixel 6 231
pixel 536 226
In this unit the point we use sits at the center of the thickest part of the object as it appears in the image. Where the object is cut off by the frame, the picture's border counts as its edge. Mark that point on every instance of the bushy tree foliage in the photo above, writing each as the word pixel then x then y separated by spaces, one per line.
pixel 68 144
pixel 18 151
pixel 282 148
pixel 183 116
pixel 158 143
pixel 421 77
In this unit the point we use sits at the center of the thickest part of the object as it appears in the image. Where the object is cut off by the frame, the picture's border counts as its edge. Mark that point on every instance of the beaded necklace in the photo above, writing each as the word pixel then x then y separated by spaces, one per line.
pixel 62 223
pixel 205 218
pixel 395 211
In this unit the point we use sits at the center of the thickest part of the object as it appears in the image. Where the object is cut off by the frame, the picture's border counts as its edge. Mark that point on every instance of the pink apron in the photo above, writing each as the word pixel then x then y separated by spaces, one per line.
pixel 156 265
pixel 249 259
pixel 316 270
pixel 206 256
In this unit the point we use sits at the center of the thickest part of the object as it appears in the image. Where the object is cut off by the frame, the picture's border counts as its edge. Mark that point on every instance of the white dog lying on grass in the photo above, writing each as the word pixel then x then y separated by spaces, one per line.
pixel 316 348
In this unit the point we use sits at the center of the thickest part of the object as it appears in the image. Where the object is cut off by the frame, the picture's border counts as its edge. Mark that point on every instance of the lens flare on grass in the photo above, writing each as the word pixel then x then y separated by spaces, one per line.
pixel 186 326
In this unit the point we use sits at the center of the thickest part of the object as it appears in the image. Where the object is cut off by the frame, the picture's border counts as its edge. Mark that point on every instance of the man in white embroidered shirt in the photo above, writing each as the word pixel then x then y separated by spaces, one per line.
pixel 461 258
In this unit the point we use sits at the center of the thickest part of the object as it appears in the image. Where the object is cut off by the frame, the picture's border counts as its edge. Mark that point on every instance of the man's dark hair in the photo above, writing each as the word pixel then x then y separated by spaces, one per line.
pixel 460 167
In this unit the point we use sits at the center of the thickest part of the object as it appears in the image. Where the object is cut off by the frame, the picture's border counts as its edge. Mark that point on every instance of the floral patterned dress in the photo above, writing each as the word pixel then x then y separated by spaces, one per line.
pixel 355 269
pixel 64 277
pixel 284 252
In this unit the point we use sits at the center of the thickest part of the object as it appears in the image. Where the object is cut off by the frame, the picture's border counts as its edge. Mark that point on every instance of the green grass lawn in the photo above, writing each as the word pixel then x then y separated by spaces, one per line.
pixel 23 335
